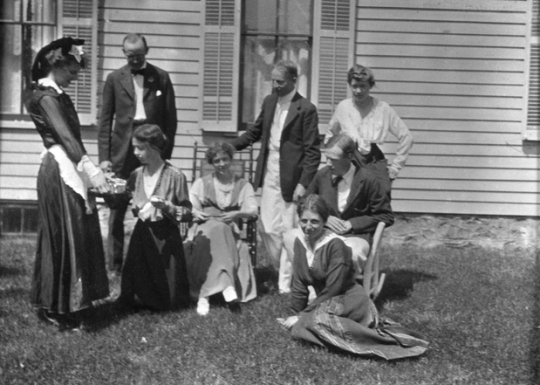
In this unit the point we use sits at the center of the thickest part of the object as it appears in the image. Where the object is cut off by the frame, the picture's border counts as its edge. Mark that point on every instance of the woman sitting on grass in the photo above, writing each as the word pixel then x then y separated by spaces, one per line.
pixel 218 261
pixel 342 315
pixel 154 271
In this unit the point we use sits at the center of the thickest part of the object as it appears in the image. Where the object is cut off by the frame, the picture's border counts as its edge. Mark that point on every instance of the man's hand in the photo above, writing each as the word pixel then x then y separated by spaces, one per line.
pixel 106 166
pixel 299 192
pixel 338 226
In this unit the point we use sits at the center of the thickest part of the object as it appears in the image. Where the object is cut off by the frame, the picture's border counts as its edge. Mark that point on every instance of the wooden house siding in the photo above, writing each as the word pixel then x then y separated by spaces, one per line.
pixel 455 72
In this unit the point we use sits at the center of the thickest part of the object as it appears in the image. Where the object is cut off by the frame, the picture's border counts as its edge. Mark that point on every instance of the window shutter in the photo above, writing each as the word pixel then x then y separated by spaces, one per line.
pixel 532 131
pixel 333 53
pixel 220 65
pixel 78 18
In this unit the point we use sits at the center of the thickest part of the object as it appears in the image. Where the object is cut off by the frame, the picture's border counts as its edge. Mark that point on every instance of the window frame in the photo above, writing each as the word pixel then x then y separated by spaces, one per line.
pixel 23 121
pixel 531 132
pixel 339 26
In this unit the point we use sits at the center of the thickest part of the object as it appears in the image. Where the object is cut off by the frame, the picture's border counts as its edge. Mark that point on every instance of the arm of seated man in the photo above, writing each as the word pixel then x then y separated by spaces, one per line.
pixel 338 226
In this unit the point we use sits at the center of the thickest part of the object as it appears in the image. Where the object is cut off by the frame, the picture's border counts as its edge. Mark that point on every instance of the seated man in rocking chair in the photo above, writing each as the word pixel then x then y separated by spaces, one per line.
pixel 355 197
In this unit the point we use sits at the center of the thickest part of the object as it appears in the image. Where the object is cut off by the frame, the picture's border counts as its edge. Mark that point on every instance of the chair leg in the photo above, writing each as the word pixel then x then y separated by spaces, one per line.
pixel 379 286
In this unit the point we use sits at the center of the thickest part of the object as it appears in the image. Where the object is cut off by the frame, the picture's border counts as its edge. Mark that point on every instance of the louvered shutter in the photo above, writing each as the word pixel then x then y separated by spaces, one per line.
pixel 79 19
pixel 333 53
pixel 220 66
pixel 532 131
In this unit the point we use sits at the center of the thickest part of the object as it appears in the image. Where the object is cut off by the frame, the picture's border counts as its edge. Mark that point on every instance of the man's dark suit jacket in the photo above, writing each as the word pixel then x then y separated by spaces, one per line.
pixel 299 149
pixel 367 204
pixel 119 105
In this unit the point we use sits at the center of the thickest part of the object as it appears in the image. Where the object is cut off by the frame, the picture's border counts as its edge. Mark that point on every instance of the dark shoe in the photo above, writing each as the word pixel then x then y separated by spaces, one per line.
pixel 48 318
pixel 234 307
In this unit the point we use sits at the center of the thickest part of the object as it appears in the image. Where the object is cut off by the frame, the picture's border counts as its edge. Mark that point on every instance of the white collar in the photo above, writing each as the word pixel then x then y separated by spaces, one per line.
pixel 323 240
pixel 46 82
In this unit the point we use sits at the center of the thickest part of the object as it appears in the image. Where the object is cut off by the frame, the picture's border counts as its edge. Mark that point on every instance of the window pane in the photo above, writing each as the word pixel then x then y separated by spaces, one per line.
pixel 18 48
pixel 260 15
pixel 10 68
pixel 10 10
pixel 39 11
pixel 295 16
pixel 260 55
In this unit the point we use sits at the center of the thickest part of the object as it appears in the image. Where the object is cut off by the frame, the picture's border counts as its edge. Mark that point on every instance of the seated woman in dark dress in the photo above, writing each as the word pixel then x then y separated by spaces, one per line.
pixel 342 315
pixel 154 271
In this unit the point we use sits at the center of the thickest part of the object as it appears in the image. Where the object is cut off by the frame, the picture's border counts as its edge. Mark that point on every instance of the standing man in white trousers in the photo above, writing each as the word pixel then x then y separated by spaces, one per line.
pixel 288 160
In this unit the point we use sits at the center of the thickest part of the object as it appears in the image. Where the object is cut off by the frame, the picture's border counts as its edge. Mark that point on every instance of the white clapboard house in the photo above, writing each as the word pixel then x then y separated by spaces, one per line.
pixel 463 74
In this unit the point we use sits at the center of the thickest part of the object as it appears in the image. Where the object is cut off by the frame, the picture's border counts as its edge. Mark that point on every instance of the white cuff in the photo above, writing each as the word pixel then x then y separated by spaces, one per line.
pixel 88 167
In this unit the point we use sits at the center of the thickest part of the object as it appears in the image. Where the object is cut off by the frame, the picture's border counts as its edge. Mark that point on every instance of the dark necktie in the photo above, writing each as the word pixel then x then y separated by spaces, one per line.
pixel 336 180
pixel 141 71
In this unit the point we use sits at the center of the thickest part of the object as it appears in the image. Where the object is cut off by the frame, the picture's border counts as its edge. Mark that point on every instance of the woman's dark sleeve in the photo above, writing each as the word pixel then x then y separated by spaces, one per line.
pixel 55 118
pixel 336 275
pixel 299 290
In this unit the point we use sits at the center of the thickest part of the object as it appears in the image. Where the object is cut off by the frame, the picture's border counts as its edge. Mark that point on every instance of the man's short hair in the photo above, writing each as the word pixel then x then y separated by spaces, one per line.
pixel 135 38
pixel 342 141
pixel 289 68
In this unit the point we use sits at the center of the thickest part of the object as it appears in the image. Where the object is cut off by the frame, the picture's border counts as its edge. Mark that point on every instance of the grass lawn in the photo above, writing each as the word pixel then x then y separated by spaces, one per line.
pixel 480 310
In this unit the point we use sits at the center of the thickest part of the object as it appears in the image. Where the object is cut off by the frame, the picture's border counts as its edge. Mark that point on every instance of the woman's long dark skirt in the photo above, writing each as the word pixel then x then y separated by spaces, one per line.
pixel 155 267
pixel 69 270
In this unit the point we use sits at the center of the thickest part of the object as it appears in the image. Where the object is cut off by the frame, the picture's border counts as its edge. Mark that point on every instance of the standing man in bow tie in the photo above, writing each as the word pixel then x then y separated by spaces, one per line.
pixel 288 130
pixel 133 95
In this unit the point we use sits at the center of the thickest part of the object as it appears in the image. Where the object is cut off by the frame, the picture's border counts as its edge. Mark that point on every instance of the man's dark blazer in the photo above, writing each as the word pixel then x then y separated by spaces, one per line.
pixel 119 105
pixel 299 149
pixel 367 204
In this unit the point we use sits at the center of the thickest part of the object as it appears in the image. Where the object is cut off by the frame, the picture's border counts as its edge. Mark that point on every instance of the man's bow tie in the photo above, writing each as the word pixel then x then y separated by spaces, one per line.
pixel 141 71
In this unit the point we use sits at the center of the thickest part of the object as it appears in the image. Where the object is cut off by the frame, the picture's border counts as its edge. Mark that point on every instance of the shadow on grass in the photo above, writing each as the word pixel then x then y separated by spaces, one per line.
pixel 535 340
pixel 400 283
pixel 104 315
pixel 13 293
pixel 10 271
pixel 267 280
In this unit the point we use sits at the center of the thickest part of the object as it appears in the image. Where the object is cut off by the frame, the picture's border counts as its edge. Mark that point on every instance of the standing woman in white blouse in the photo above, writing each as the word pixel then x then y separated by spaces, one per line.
pixel 154 272
pixel 368 120
pixel 218 261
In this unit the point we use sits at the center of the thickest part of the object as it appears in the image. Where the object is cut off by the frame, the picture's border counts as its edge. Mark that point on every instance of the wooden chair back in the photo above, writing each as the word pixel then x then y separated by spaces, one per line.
pixel 241 165
pixel 372 279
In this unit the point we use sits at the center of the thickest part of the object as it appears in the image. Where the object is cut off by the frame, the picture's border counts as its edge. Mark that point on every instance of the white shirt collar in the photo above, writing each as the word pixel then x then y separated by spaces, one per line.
pixel 46 82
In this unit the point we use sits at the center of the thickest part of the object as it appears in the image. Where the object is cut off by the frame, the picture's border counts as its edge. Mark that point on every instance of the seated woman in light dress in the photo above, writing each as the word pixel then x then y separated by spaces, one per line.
pixel 368 120
pixel 217 259
pixel 342 315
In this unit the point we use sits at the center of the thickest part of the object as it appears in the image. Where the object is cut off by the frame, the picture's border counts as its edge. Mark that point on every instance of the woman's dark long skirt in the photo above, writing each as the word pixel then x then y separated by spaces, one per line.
pixel 155 267
pixel 69 270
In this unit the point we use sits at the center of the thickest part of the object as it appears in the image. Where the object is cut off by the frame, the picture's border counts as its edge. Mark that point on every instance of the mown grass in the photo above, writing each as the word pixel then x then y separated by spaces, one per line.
pixel 479 310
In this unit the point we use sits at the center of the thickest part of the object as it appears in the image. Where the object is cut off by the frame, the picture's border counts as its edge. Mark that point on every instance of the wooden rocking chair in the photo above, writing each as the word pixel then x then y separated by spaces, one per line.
pixel 372 279
pixel 242 166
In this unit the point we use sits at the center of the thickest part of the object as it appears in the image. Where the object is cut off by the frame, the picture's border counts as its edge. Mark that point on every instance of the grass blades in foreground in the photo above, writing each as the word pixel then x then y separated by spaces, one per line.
pixel 479 310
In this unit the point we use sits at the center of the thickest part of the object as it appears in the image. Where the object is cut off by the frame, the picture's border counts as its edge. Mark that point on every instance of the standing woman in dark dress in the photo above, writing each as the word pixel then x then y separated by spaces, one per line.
pixel 70 267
